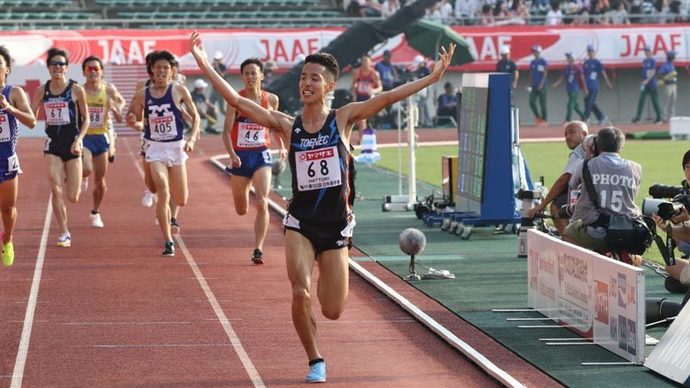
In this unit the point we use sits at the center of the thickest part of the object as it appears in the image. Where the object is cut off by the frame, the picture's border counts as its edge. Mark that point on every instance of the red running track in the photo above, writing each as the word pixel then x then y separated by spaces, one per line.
pixel 111 311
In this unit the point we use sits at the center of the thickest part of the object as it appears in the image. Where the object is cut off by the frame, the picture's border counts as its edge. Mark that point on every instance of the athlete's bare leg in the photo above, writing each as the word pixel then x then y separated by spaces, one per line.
pixel 159 174
pixel 100 168
pixel 262 186
pixel 8 198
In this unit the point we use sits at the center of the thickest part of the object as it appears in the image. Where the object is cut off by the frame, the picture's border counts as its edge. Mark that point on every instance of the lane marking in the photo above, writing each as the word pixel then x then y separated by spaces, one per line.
pixel 222 318
pixel 22 352
pixel 115 346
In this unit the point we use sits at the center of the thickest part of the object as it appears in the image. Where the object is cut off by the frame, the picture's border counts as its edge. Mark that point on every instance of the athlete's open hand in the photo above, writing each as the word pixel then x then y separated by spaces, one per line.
pixel 443 62
pixel 196 47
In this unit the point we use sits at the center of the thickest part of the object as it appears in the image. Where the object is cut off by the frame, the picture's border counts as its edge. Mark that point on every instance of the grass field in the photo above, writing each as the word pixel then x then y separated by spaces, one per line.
pixel 660 160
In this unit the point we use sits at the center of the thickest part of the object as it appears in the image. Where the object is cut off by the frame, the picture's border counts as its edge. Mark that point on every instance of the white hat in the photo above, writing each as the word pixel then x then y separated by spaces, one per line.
pixel 218 55
pixel 505 50
pixel 200 84
pixel 417 60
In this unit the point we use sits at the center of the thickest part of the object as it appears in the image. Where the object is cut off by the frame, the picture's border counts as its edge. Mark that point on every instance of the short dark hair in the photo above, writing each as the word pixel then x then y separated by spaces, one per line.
pixel 326 60
pixel 686 158
pixel 89 59
pixel 155 56
pixel 249 61
pixel 610 139
pixel 5 53
pixel 54 52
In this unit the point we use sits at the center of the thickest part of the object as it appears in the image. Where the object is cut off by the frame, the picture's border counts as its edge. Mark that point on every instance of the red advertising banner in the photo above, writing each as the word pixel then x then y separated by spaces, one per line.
pixel 617 46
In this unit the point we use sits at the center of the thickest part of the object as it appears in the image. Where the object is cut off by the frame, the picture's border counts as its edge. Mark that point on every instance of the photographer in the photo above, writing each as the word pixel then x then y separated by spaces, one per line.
pixel 615 181
pixel 575 132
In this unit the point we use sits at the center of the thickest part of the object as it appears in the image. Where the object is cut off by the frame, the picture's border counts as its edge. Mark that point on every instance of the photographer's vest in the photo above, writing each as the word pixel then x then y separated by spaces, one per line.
pixel 616 181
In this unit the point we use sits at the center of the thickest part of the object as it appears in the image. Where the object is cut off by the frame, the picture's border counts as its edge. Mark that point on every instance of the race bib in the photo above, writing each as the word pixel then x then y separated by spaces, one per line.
pixel 163 127
pixel 250 135
pixel 364 88
pixel 96 116
pixel 4 127
pixel 593 76
pixel 13 163
pixel 317 169
pixel 57 113
pixel 540 68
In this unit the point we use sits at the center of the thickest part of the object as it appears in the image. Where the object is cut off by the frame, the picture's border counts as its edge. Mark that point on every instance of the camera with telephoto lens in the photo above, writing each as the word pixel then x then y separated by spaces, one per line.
pixel 679 195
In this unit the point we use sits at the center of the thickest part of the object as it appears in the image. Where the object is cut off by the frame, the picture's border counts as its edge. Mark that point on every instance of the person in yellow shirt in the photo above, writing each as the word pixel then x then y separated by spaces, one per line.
pixel 102 100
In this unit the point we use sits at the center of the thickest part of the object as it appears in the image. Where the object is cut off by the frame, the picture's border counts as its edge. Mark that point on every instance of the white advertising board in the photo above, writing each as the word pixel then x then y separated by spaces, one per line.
pixel 597 297
pixel 671 357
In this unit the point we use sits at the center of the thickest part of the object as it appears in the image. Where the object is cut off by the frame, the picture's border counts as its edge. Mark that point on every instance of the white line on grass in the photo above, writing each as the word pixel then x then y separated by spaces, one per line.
pixel 227 327
pixel 18 372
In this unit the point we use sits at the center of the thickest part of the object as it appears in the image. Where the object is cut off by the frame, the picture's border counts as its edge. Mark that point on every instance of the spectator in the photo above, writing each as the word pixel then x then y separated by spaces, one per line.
pixel 364 8
pixel 600 12
pixel 593 71
pixel 445 11
pixel 387 72
pixel 215 99
pixel 648 86
pixel 590 219
pixel 389 7
pixel 572 74
pixel 507 65
pixel 204 106
pixel 520 10
pixel 467 9
pixel 662 12
pixel 501 11
pixel 619 15
pixel 669 78
pixel 554 17
pixel 575 132
pixel 538 74
pixel 420 71
pixel 447 104
pixel 486 17
pixel 269 68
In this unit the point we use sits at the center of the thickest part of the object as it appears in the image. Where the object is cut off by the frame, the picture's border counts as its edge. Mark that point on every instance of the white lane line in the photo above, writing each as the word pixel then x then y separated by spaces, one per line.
pixel 229 331
pixel 115 346
pixel 22 352
pixel 124 323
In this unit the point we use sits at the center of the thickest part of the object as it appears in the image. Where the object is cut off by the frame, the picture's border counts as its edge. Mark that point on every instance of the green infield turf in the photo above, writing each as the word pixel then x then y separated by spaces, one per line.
pixel 660 160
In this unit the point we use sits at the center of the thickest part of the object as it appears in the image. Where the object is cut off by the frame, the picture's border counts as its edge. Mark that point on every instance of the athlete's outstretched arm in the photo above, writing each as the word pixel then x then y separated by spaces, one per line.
pixel 254 111
pixel 18 106
pixel 357 111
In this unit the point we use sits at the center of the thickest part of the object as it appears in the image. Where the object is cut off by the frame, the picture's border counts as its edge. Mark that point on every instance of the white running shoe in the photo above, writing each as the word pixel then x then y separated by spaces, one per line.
pixel 65 240
pixel 147 200
pixel 84 184
pixel 96 220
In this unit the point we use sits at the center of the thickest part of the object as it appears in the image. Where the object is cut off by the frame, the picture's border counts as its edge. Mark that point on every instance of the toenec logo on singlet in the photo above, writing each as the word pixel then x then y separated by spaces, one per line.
pixel 311 143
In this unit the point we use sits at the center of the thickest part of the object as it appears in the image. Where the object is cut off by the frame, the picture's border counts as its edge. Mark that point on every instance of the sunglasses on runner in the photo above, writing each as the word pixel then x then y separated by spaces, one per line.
pixel 93 68
pixel 56 63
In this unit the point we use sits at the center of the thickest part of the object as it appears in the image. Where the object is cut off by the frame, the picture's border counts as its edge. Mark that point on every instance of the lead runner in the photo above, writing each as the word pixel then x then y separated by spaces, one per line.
pixel 320 221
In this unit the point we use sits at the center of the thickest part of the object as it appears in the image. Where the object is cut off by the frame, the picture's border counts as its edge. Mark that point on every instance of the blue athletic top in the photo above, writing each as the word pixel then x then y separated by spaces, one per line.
pixel 62 114
pixel 592 69
pixel 537 70
pixel 666 68
pixel 8 129
pixel 572 78
pixel 648 65
pixel 162 118
pixel 320 165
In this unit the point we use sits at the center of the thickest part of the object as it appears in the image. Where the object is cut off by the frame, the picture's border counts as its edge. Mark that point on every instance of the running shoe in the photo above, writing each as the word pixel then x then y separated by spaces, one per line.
pixel 174 226
pixel 65 240
pixel 96 220
pixel 317 373
pixel 169 249
pixel 8 254
pixel 257 257
pixel 84 184
pixel 147 200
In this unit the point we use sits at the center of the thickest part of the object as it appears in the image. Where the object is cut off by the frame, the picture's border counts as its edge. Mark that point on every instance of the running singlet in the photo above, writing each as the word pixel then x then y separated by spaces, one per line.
pixel 365 83
pixel 97 114
pixel 320 173
pixel 62 116
pixel 8 135
pixel 162 118
pixel 247 135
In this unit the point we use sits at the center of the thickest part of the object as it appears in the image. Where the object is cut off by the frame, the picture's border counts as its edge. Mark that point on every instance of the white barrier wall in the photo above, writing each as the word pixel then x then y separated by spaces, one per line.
pixel 597 297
